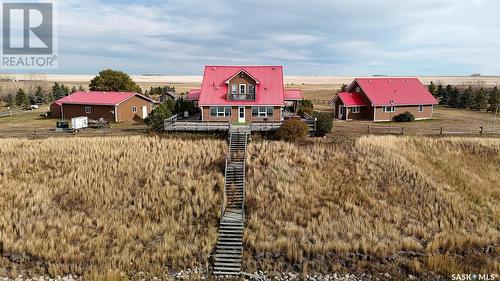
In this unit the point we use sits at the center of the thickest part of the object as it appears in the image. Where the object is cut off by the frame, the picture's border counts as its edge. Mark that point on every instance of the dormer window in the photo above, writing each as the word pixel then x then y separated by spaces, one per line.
pixel 234 89
pixel 243 88
pixel 251 89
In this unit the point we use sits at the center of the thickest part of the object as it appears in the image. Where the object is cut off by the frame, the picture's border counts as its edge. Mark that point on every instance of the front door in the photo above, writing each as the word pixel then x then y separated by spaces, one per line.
pixel 341 111
pixel 144 112
pixel 241 114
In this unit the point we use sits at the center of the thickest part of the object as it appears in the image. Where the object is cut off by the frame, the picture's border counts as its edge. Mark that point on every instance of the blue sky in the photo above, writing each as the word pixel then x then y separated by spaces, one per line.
pixel 319 37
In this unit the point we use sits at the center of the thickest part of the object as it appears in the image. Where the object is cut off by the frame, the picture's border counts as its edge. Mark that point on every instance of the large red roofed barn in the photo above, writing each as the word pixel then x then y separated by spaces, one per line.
pixel 111 106
pixel 243 94
pixel 379 99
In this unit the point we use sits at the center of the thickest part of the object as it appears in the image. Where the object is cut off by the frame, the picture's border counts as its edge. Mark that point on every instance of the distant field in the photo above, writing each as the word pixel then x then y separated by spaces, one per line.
pixel 318 87
pixel 403 205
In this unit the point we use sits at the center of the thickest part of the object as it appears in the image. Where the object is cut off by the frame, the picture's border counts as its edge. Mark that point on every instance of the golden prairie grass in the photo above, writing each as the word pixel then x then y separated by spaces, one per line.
pixel 410 202
pixel 90 205
pixel 103 206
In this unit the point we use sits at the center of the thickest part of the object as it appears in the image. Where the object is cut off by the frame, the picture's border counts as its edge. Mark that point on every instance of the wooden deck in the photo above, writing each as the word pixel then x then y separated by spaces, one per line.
pixel 211 126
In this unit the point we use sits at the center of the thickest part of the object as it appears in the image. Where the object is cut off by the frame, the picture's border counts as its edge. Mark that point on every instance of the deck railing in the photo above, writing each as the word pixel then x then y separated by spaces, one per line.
pixel 241 96
pixel 206 126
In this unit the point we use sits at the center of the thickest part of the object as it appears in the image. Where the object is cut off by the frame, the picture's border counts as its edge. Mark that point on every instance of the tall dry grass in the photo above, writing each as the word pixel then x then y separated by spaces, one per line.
pixel 102 206
pixel 410 204
pixel 90 205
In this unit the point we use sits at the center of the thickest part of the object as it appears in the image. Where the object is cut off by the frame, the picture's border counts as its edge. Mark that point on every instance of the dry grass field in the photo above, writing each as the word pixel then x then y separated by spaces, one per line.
pixel 377 203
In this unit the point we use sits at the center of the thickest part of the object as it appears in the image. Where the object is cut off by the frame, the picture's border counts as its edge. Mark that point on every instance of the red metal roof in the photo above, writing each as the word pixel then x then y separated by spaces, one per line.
pixel 193 94
pixel 402 91
pixel 352 99
pixel 269 90
pixel 99 98
pixel 293 94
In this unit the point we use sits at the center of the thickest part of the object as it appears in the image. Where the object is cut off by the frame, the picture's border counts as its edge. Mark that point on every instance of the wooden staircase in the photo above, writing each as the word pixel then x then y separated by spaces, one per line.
pixel 230 244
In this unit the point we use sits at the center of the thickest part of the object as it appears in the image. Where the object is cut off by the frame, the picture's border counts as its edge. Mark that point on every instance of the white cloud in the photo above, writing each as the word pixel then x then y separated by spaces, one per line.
pixel 320 37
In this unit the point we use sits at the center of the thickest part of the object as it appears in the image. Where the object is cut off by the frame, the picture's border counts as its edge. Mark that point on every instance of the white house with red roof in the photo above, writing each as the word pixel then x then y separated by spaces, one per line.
pixel 111 106
pixel 379 99
pixel 243 94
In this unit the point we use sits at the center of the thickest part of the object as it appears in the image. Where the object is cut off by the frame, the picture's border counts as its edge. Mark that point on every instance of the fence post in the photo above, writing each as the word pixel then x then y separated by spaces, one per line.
pixel 402 130
pixel 368 129
pixel 481 130
pixel 441 132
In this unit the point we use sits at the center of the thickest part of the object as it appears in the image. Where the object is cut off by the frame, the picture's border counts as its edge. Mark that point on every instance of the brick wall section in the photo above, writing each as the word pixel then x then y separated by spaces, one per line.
pixel 125 109
pixel 383 116
pixel 234 115
pixel 97 111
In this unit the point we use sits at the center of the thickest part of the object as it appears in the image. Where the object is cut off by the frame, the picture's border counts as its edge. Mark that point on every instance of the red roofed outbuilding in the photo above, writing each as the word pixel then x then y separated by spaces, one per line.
pixel 243 93
pixel 111 106
pixel 379 99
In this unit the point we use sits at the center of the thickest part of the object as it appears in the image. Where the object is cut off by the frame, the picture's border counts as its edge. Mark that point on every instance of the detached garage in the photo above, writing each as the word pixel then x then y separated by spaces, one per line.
pixel 111 106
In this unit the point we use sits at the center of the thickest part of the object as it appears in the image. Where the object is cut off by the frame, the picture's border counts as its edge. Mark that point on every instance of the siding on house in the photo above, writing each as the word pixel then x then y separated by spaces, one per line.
pixel 96 111
pixel 413 109
pixel 55 110
pixel 234 115
pixel 125 109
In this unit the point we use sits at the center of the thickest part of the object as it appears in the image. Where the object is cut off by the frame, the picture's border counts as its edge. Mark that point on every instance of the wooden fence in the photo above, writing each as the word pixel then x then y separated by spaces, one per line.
pixel 318 101
pixel 433 130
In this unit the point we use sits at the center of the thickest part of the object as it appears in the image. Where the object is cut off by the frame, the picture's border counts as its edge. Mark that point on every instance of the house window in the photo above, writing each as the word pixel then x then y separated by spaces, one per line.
pixel 420 108
pixel 243 88
pixel 220 111
pixel 134 109
pixel 88 110
pixel 251 89
pixel 355 109
pixel 262 111
pixel 389 109
pixel 234 89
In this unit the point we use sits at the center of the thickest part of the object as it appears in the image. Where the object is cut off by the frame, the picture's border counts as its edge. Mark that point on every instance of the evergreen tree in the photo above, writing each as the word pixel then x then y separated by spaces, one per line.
pixel 40 95
pixel 480 100
pixel 465 99
pixel 80 88
pixel 432 89
pixel 453 95
pixel 65 90
pixel 10 100
pixel 21 98
pixel 57 91
pixel 343 88
pixel 441 93
pixel 73 89
pixel 31 99
pixel 493 99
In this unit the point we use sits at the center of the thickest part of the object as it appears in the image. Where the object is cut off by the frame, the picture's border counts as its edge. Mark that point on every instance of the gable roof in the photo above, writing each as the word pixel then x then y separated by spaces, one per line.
pixel 268 92
pixel 99 98
pixel 243 70
pixel 193 94
pixel 402 91
pixel 352 99
pixel 293 94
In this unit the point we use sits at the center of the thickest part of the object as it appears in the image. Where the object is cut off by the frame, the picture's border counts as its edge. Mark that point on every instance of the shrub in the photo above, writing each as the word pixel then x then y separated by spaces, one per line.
pixel 293 130
pixel 156 118
pixel 324 123
pixel 404 117
pixel 306 106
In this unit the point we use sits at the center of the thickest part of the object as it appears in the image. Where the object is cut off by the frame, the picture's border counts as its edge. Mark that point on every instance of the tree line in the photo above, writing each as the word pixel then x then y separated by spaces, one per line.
pixel 40 96
pixel 478 99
